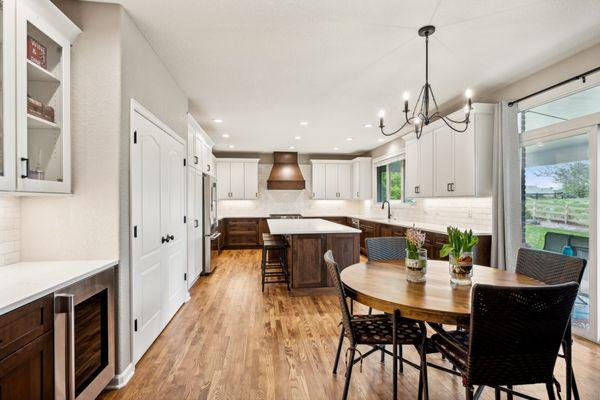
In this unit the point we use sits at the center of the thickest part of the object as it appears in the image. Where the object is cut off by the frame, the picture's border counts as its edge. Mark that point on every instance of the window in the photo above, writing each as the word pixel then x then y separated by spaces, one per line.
pixel 390 180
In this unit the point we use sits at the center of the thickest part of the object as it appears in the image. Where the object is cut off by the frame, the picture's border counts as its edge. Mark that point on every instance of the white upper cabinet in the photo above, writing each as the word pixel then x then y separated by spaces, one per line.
pixel 318 181
pixel 237 179
pixel 35 111
pixel 200 148
pixel 331 181
pixel 445 163
pixel 362 178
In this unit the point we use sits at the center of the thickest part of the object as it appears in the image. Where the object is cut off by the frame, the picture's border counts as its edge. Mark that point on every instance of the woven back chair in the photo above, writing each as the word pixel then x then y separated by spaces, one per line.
pixel 386 248
pixel 516 333
pixel 550 268
pixel 334 273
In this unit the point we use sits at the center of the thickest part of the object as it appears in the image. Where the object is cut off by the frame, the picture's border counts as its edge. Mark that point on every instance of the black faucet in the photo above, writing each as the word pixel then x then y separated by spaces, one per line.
pixel 389 208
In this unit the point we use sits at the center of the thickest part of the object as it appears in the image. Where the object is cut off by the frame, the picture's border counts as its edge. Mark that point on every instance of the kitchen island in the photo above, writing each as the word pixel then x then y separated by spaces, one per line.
pixel 308 241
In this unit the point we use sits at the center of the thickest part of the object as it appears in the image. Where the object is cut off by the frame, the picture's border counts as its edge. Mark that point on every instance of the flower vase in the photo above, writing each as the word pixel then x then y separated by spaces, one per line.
pixel 416 268
pixel 461 269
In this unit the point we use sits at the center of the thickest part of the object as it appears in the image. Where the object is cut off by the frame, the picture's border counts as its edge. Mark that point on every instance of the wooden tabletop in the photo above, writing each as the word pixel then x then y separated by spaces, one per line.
pixel 383 286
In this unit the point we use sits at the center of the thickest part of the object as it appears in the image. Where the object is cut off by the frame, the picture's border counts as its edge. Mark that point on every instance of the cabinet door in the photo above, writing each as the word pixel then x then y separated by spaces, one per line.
pixel 444 166
pixel 7 99
pixel 412 168
pixel 199 155
pixel 318 181
pixel 356 180
pixel 43 130
pixel 236 185
pixel 331 182
pixel 197 225
pixel 223 180
pixel 345 181
pixel 251 181
pixel 28 373
pixel 426 165
pixel 191 218
pixel 464 163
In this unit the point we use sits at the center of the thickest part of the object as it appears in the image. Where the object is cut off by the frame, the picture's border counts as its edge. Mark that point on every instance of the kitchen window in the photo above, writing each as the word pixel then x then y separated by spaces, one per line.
pixel 390 180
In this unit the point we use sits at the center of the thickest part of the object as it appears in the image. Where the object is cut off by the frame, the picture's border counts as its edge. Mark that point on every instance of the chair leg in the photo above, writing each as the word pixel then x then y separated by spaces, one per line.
pixel 550 389
pixel 509 396
pixel 401 362
pixel 263 265
pixel 348 374
pixel 478 392
pixel 370 311
pixel 383 354
pixel 395 353
pixel 575 390
pixel 339 351
pixel 571 385
pixel 469 392
pixel 497 394
pixel 425 389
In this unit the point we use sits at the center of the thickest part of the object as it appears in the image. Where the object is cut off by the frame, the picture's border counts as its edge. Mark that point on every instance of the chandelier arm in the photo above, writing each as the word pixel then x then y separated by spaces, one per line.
pixel 453 128
pixel 464 121
pixel 394 132
pixel 417 103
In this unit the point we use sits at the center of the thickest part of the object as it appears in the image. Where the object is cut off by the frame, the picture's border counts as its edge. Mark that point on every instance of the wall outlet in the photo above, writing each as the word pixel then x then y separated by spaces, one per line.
pixel 470 213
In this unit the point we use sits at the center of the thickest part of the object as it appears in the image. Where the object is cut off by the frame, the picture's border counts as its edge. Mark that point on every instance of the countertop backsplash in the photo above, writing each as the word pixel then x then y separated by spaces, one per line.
pixel 10 230
pixel 475 213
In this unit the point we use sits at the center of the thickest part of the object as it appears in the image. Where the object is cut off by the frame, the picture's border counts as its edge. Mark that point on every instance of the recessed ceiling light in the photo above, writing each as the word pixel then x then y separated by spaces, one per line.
pixel 349 139
pixel 231 146
pixel 217 120
pixel 225 135
pixel 336 148
pixel 380 139
pixel 303 123
pixel 297 137
pixel 368 125
pixel 292 147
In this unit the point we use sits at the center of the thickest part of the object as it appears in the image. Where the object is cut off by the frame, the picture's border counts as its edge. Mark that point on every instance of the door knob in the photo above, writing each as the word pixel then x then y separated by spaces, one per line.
pixel 164 239
pixel 170 237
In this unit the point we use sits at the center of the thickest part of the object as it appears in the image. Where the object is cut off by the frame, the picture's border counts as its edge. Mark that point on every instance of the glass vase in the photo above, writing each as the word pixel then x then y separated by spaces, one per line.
pixel 461 269
pixel 416 269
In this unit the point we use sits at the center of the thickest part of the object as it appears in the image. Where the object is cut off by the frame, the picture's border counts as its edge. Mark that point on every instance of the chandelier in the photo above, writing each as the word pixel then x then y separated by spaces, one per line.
pixel 421 115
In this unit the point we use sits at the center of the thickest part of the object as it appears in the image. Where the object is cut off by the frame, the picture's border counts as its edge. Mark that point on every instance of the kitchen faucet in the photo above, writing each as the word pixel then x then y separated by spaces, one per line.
pixel 389 208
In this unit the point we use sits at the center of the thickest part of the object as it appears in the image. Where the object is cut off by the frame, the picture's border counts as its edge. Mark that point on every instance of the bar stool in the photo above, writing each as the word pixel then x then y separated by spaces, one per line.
pixel 274 261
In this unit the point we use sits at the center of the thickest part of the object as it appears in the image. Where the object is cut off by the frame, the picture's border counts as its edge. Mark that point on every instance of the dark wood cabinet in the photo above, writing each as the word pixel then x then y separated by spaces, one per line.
pixel 369 229
pixel 242 232
pixel 27 351
pixel 263 227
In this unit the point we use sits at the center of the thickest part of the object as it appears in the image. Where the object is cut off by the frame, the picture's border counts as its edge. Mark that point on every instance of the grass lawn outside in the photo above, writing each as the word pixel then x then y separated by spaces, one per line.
pixel 534 234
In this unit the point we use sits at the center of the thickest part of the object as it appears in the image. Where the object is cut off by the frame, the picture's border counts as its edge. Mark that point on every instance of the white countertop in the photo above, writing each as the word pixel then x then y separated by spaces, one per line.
pixel 437 228
pixel 24 282
pixel 306 227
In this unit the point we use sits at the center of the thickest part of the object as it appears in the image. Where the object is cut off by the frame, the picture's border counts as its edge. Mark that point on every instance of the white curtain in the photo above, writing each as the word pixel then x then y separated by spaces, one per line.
pixel 506 189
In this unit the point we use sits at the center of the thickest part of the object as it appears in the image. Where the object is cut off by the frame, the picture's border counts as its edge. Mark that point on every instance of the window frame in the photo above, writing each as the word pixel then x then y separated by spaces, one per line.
pixel 386 160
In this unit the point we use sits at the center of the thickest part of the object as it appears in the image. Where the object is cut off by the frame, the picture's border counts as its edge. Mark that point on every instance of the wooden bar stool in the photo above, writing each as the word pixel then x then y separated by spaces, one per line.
pixel 274 268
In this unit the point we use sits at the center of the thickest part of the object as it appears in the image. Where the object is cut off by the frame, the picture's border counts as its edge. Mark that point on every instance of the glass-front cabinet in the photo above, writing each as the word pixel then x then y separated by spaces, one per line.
pixel 7 98
pixel 43 42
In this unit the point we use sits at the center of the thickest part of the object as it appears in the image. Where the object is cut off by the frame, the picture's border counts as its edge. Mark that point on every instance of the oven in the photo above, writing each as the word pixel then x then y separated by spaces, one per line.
pixel 84 340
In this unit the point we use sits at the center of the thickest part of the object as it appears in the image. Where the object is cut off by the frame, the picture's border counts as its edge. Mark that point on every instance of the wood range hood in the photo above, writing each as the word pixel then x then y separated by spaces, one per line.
pixel 286 174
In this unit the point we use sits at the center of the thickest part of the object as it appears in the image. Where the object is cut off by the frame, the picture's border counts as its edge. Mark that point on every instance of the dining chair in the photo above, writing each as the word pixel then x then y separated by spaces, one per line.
pixel 514 339
pixel 554 268
pixel 386 249
pixel 376 331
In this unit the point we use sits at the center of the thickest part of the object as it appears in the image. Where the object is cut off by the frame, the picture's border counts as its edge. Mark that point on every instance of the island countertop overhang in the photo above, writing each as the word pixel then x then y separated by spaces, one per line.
pixel 307 227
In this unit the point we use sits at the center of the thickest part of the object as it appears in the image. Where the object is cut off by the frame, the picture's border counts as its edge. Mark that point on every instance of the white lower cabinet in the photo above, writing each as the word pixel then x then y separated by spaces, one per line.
pixel 159 235
pixel 445 163
pixel 237 179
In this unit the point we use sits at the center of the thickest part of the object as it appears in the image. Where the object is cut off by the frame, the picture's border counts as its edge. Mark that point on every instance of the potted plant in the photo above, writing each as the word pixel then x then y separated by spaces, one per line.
pixel 416 255
pixel 460 251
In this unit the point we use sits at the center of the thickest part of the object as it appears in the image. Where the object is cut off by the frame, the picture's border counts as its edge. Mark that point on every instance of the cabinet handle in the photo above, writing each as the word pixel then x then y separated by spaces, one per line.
pixel 208 165
pixel 256 195
pixel 357 194
pixel 452 186
pixel 195 159
pixel 26 161
pixel 448 187
pixel 196 223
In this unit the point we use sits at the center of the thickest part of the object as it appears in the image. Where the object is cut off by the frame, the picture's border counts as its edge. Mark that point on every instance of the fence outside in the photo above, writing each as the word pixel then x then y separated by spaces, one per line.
pixel 566 211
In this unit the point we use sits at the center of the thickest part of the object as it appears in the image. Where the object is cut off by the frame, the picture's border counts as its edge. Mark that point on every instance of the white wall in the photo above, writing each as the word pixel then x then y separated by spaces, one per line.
pixel 10 230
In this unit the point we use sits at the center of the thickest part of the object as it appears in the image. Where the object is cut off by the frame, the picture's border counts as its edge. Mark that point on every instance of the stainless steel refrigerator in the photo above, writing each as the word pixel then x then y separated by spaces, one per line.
pixel 210 230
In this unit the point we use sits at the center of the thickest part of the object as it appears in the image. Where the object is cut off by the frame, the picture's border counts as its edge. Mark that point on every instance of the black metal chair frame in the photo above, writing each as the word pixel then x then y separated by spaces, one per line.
pixel 278 269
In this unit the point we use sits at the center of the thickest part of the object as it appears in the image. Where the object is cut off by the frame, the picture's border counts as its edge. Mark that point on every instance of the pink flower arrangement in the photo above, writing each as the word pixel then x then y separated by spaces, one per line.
pixel 414 241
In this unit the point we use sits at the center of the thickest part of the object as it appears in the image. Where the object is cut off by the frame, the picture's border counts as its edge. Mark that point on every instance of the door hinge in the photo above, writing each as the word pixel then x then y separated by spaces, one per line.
pixel 134 137
pixel 184 162
pixel 135 325
pixel 135 231
pixel 184 219
pixel 184 276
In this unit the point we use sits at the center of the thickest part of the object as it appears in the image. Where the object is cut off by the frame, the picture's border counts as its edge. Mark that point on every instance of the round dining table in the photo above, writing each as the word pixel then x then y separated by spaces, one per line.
pixel 383 286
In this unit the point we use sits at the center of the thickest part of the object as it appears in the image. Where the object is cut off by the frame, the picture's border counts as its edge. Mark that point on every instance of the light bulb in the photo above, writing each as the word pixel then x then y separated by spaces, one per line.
pixel 417 121
pixel 468 93
pixel 381 113
pixel 467 109
pixel 406 96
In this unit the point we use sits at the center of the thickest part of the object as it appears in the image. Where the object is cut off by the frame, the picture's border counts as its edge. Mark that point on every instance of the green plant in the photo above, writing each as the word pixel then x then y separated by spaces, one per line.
pixel 458 242
pixel 414 242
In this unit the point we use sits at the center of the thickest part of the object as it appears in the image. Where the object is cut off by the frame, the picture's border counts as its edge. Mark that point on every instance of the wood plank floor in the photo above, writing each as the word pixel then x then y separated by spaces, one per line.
pixel 230 341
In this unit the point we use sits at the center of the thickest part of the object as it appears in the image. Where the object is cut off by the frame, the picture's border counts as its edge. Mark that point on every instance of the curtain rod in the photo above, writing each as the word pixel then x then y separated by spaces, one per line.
pixel 575 78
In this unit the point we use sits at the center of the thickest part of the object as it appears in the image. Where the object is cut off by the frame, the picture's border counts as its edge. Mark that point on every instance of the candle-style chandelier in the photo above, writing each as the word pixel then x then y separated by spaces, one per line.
pixel 421 115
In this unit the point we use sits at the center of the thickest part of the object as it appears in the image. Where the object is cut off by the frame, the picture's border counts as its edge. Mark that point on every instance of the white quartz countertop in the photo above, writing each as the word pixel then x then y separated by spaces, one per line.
pixel 24 282
pixel 437 228
pixel 306 227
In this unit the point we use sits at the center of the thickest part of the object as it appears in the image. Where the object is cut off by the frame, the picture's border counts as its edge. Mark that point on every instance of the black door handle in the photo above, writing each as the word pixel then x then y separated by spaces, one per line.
pixel 26 174
pixel 164 239
pixel 170 237
pixel 196 223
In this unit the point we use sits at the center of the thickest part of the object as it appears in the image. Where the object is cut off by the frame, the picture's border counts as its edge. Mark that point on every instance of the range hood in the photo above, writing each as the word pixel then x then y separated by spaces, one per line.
pixel 286 174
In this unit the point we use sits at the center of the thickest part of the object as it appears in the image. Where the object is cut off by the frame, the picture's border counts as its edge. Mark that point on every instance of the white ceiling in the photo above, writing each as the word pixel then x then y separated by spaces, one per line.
pixel 265 65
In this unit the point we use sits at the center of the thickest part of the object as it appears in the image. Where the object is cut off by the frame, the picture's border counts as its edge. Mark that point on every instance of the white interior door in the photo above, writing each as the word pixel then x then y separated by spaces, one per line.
pixel 174 252
pixel 444 166
pixel 236 186
pixel 146 210
pixel 331 181
pixel 318 181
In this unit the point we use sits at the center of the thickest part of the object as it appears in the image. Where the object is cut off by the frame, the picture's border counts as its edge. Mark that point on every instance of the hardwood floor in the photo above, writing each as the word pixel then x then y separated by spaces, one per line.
pixel 230 341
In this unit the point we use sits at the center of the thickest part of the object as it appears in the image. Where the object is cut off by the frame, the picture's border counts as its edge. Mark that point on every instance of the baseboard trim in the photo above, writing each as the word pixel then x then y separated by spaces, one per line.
pixel 120 380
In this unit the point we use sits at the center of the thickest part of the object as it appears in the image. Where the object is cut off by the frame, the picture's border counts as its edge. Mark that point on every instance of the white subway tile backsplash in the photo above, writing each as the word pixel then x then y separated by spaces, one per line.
pixel 10 230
